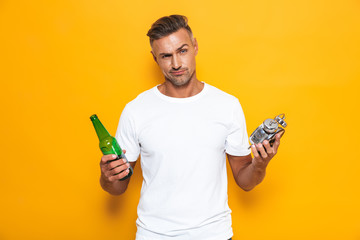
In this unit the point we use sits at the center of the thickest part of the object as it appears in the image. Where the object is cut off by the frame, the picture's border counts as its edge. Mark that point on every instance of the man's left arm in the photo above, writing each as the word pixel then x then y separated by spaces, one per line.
pixel 249 172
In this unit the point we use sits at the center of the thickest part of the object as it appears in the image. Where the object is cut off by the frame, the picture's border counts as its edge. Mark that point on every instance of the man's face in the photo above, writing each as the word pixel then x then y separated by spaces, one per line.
pixel 175 55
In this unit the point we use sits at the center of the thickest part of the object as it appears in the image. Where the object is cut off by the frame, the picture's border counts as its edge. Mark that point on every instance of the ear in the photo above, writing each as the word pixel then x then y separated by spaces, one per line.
pixel 196 46
pixel 154 56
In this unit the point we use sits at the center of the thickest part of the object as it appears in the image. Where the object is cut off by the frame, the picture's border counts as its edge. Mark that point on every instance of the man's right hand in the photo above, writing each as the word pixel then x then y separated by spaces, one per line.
pixel 113 170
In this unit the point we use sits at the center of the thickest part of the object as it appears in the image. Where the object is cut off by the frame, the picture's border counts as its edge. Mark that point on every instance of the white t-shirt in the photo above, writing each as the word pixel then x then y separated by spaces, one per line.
pixel 182 142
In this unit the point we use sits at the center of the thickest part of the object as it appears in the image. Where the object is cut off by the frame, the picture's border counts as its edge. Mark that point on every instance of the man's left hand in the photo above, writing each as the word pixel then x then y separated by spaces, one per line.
pixel 263 152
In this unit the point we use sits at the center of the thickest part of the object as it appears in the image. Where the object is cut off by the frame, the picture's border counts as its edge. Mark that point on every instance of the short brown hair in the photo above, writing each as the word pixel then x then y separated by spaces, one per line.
pixel 168 25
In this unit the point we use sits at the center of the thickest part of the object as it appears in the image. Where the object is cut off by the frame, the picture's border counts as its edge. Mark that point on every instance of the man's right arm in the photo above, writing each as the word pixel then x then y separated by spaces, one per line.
pixel 111 172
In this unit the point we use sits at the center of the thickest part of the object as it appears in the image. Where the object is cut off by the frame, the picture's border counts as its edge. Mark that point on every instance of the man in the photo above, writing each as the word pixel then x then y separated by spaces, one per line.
pixel 183 129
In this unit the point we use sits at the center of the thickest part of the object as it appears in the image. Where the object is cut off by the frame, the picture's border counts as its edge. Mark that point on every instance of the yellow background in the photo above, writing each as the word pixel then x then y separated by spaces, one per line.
pixel 63 60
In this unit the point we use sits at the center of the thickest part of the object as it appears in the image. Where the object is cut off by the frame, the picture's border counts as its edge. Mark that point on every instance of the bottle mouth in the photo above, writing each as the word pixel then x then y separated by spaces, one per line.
pixel 93 117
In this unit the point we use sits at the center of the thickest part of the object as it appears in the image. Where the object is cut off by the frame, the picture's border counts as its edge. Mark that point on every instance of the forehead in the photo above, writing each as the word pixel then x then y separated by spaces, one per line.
pixel 172 42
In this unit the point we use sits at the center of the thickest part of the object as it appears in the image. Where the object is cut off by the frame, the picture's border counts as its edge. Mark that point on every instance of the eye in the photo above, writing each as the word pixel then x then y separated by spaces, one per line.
pixel 183 50
pixel 166 56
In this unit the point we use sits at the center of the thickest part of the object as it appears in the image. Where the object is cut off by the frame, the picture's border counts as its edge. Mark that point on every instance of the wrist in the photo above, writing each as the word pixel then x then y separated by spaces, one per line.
pixel 258 165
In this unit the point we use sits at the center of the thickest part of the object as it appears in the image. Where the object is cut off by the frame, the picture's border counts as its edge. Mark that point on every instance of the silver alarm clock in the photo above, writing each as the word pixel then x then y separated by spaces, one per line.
pixel 268 129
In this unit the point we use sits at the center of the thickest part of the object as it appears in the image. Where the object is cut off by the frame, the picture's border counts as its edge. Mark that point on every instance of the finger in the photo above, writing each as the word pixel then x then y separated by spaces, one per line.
pixel 106 167
pixel 254 151
pixel 119 176
pixel 269 150
pixel 116 163
pixel 118 169
pixel 277 142
pixel 124 151
pixel 123 157
pixel 261 149
pixel 110 171
pixel 108 157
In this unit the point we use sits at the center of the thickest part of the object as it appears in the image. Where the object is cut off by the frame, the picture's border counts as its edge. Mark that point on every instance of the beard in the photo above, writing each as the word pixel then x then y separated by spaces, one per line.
pixel 181 80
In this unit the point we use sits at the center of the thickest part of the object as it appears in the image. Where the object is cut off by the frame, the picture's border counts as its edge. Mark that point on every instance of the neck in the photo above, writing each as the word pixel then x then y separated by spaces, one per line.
pixel 192 88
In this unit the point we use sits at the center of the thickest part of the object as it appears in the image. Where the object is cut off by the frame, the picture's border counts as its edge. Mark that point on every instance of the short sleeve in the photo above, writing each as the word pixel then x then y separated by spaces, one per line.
pixel 237 143
pixel 126 135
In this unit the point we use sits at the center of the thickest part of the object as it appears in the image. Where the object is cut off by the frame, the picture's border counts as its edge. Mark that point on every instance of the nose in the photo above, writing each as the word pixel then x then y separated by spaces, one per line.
pixel 175 62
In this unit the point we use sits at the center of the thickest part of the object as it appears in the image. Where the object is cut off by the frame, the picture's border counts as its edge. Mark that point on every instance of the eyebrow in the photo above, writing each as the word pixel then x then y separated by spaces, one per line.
pixel 185 44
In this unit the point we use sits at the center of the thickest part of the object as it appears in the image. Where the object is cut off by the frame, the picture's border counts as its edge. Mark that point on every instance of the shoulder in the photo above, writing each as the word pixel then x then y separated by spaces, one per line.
pixel 143 100
pixel 220 95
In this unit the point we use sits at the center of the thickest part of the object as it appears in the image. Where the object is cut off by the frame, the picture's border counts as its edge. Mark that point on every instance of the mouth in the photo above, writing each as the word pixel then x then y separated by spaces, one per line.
pixel 178 73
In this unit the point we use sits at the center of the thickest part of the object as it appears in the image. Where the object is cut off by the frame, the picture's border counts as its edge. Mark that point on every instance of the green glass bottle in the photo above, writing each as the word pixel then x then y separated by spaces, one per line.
pixel 108 144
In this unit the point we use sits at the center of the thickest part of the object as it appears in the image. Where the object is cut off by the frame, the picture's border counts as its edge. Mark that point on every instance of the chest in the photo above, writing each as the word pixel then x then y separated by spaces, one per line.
pixel 180 128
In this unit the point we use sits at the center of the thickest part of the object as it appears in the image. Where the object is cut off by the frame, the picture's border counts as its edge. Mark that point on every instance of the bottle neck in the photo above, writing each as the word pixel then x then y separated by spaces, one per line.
pixel 100 129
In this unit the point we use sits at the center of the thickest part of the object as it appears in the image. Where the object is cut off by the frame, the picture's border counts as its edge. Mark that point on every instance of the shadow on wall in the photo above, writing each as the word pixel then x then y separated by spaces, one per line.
pixel 248 200
pixel 115 205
